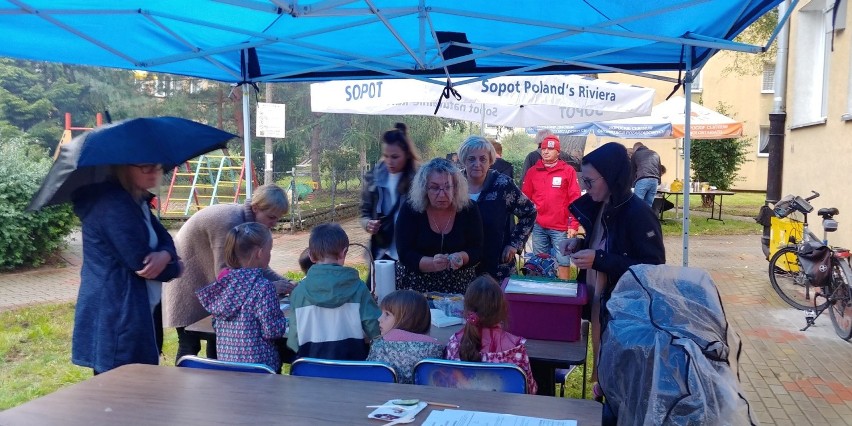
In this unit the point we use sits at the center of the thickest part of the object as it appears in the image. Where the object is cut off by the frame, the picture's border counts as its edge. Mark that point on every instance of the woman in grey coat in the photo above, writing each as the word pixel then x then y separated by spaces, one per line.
pixel 200 244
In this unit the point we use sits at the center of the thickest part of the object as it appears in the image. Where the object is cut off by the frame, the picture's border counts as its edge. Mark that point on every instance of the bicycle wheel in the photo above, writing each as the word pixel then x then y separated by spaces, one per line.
pixel 790 282
pixel 841 304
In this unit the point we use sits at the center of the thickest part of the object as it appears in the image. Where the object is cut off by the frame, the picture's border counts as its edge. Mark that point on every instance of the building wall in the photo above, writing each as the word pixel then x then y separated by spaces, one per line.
pixel 743 97
pixel 819 156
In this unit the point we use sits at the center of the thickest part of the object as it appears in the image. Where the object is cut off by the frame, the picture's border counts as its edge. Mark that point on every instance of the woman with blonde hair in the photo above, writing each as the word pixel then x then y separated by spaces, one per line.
pixel 201 244
pixel 439 232
pixel 499 201
pixel 127 254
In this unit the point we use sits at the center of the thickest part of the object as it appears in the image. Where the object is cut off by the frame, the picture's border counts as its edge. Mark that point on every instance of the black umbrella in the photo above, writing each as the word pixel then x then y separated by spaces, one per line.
pixel 149 140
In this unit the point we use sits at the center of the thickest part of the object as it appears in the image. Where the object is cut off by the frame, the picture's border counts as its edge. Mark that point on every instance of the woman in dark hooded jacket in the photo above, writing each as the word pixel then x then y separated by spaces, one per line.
pixel 621 231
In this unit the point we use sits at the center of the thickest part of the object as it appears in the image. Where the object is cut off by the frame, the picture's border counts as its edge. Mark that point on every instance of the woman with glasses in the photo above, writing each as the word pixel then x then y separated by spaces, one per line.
pixel 621 231
pixel 384 189
pixel 499 200
pixel 201 245
pixel 127 254
pixel 439 232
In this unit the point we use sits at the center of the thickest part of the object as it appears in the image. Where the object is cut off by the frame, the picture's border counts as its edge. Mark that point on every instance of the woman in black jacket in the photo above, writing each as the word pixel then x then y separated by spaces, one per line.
pixel 499 201
pixel 621 231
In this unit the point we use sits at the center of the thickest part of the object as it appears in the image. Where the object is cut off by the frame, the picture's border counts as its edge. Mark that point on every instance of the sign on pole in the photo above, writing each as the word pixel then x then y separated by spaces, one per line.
pixel 270 120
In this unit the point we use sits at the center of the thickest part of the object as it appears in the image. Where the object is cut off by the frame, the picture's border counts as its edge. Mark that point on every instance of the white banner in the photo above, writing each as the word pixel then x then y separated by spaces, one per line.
pixel 506 101
pixel 270 120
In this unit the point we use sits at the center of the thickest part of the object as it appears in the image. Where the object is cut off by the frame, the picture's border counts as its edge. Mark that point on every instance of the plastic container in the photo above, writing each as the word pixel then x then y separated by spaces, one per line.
pixel 545 317
pixel 784 232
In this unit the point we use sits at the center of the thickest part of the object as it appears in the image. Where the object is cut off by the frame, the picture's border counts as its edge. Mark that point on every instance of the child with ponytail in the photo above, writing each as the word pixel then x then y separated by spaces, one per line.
pixel 482 339
pixel 246 313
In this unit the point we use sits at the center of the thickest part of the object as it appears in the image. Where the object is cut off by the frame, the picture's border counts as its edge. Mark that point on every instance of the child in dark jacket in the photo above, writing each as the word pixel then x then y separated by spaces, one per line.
pixel 333 315
pixel 246 312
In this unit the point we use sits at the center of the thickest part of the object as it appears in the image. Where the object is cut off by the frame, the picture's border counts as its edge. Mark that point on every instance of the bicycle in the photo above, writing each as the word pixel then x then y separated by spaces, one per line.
pixel 792 273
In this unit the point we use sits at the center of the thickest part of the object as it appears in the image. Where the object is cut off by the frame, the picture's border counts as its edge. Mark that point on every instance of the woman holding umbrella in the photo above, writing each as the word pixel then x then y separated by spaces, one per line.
pixel 127 254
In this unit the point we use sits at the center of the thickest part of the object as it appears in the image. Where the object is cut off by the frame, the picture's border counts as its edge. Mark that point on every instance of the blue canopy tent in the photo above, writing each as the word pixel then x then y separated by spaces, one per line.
pixel 250 41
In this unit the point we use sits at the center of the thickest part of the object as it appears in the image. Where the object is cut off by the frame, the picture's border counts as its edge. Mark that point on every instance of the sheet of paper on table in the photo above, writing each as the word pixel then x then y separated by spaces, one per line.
pixel 397 413
pixel 541 286
pixel 440 319
pixel 479 418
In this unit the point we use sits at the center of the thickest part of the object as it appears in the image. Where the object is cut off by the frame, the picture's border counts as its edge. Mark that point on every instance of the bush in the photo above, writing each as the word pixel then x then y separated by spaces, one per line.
pixel 718 160
pixel 27 239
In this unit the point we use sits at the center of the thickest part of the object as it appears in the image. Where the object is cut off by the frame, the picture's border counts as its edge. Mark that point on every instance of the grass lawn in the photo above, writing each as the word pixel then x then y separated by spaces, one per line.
pixel 737 211
pixel 35 349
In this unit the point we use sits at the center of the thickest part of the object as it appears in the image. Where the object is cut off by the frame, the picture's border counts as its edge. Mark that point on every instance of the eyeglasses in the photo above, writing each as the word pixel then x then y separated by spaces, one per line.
pixel 587 182
pixel 149 168
pixel 435 190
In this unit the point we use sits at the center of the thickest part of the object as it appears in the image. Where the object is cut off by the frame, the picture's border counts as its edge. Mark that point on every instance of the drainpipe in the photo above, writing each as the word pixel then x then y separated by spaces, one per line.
pixel 777 122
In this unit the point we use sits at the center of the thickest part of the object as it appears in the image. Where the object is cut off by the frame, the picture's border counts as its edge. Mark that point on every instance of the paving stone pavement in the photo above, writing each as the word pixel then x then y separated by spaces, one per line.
pixel 789 377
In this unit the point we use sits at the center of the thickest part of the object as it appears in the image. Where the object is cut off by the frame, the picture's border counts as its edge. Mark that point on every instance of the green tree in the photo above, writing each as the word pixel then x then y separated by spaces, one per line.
pixel 27 239
pixel 516 147
pixel 757 33
pixel 717 161
pixel 31 94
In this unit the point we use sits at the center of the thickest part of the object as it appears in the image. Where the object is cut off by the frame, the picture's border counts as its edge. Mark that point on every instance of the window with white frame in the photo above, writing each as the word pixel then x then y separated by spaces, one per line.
pixel 763 142
pixel 697 83
pixel 768 85
pixel 840 24
pixel 811 64
pixel 848 115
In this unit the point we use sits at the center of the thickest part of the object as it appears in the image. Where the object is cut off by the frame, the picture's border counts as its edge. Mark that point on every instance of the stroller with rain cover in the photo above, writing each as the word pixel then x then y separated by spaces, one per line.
pixel 668 354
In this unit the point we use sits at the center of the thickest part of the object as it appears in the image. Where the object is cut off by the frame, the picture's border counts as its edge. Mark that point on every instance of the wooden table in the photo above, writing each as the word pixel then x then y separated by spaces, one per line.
pixel 156 395
pixel 545 355
pixel 714 214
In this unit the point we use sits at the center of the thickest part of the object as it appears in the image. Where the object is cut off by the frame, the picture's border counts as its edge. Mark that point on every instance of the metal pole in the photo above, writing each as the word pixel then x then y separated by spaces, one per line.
pixel 687 145
pixel 267 145
pixel 778 117
pixel 482 120
pixel 247 131
pixel 777 124
pixel 294 198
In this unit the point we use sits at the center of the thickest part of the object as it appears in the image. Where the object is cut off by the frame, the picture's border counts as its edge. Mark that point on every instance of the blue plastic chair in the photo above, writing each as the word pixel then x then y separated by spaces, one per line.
pixel 470 375
pixel 192 361
pixel 370 371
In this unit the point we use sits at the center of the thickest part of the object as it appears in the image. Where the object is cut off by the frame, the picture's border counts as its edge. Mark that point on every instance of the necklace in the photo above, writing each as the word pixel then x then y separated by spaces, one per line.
pixel 443 230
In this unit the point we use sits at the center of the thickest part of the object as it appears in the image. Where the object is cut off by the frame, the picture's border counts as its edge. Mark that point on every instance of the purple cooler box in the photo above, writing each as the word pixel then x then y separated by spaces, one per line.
pixel 544 316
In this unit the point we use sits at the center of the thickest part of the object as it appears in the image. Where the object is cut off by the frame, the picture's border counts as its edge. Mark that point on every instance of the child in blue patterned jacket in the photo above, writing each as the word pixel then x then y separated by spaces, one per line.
pixel 246 313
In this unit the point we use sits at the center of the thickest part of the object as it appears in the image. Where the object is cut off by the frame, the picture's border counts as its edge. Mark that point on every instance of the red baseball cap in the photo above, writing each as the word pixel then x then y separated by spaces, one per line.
pixel 550 141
